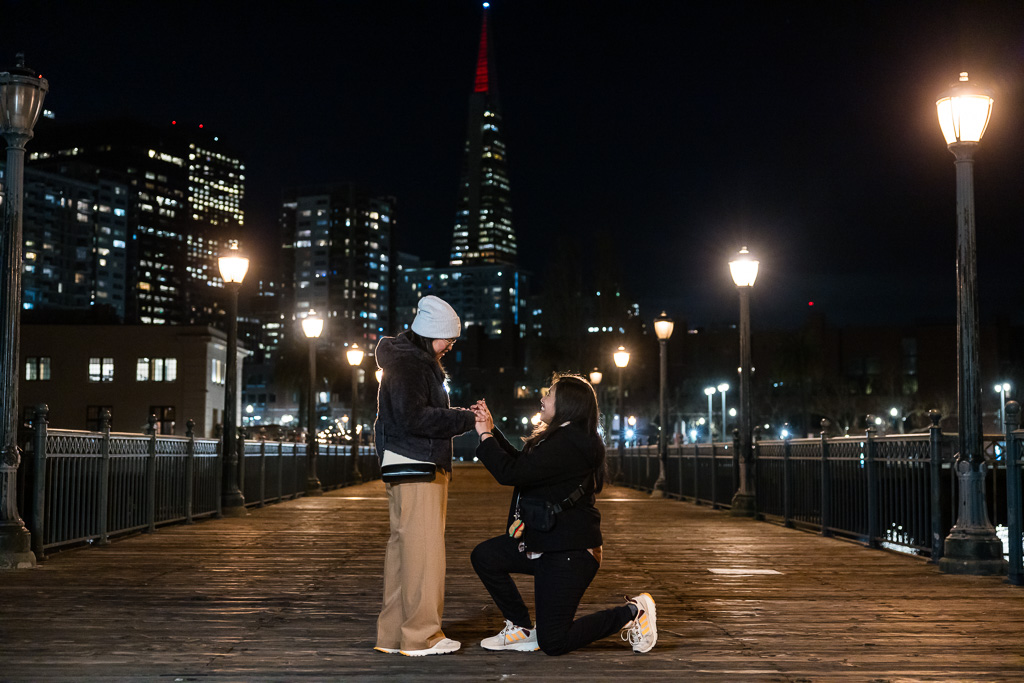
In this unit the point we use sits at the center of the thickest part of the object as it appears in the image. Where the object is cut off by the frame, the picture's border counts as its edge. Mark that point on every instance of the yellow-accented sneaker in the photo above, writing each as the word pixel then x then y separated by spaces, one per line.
pixel 642 632
pixel 512 637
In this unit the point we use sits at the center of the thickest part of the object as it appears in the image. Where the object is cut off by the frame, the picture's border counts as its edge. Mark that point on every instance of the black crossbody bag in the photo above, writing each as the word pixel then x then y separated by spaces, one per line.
pixel 540 514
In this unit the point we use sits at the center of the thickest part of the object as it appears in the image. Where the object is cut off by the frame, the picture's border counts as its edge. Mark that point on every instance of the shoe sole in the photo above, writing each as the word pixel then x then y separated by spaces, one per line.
pixel 515 647
pixel 426 653
pixel 387 650
pixel 652 615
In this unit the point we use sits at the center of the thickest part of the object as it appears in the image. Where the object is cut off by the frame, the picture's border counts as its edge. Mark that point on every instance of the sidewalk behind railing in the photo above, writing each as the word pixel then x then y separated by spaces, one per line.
pixel 86 487
pixel 896 492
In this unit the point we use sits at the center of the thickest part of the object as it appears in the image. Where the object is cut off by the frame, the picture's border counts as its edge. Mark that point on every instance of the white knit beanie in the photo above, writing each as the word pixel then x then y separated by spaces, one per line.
pixel 435 319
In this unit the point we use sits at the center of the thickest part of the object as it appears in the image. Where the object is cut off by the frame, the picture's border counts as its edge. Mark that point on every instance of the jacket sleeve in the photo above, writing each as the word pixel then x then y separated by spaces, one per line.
pixel 409 392
pixel 551 461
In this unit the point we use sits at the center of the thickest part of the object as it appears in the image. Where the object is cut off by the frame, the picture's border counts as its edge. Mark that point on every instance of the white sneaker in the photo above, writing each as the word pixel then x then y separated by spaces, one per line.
pixel 512 637
pixel 444 646
pixel 642 632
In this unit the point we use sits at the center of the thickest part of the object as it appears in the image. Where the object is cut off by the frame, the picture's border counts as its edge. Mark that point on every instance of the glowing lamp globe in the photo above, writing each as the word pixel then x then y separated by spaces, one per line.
pixel 312 325
pixel 233 266
pixel 744 269
pixel 354 355
pixel 964 111
pixel 663 327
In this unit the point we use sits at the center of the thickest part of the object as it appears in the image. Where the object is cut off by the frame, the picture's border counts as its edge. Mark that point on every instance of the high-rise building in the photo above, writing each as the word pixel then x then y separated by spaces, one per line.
pixel 185 198
pixel 75 239
pixel 483 221
pixel 337 239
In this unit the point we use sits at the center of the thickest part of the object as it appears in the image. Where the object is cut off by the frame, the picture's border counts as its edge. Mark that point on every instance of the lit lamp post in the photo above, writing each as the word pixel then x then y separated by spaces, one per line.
pixel 312 327
pixel 1002 389
pixel 233 267
pixel 972 546
pixel 595 380
pixel 621 358
pixel 355 359
pixel 709 392
pixel 744 272
pixel 21 100
pixel 722 388
pixel 663 326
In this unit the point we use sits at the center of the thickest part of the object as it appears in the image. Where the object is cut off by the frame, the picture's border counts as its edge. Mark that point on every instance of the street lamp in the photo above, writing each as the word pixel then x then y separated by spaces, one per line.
pixel 621 358
pixel 21 100
pixel 312 327
pixel 744 272
pixel 722 388
pixel 972 546
pixel 595 380
pixel 355 359
pixel 1002 389
pixel 663 327
pixel 233 267
pixel 709 392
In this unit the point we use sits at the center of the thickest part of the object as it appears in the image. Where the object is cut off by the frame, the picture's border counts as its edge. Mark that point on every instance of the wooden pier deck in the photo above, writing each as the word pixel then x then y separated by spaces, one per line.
pixel 292 591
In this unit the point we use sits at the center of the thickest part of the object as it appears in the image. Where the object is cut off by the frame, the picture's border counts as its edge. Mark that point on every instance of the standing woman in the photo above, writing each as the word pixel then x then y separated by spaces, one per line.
pixel 414 430
pixel 554 529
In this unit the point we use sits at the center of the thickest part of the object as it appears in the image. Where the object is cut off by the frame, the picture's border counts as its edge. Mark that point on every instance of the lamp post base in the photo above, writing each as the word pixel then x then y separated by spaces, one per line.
pixel 742 505
pixel 16 548
pixel 233 505
pixel 976 553
pixel 314 488
pixel 658 490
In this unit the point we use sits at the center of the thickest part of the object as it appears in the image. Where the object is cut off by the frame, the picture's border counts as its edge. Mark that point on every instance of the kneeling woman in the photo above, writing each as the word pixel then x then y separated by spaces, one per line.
pixel 563 463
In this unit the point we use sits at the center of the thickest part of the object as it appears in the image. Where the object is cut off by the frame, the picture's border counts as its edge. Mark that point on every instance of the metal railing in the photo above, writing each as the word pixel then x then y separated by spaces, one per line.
pixel 894 492
pixel 86 487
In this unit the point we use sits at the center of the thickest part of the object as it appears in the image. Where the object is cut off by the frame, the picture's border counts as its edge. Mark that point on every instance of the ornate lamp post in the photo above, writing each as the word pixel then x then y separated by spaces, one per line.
pixel 21 100
pixel 972 546
pixel 663 326
pixel 595 380
pixel 233 267
pixel 312 327
pixel 355 359
pixel 744 272
pixel 621 358
pixel 709 392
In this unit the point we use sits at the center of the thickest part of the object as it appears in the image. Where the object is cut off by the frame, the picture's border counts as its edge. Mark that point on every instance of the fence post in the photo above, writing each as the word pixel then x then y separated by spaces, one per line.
pixel 1014 503
pixel 787 497
pixel 826 482
pixel 696 473
pixel 38 528
pixel 151 475
pixel 217 432
pixel 239 438
pixel 280 471
pixel 714 481
pixel 755 452
pixel 935 465
pixel 874 532
pixel 263 466
pixel 103 504
pixel 190 468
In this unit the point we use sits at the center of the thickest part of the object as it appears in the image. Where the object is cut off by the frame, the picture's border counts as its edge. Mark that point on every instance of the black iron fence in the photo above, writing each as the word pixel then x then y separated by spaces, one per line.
pixel 895 492
pixel 87 487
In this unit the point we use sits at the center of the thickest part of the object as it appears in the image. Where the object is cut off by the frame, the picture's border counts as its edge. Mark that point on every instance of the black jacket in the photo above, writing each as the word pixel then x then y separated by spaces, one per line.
pixel 414 416
pixel 551 470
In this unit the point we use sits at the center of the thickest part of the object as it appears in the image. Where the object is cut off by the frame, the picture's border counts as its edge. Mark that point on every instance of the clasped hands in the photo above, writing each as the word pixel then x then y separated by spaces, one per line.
pixel 484 421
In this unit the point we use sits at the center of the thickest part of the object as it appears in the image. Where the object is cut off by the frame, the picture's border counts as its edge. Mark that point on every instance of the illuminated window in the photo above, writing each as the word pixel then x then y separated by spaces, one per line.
pixel 37 368
pixel 101 369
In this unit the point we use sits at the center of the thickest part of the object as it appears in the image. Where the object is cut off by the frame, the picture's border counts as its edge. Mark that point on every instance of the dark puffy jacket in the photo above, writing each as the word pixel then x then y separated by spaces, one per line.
pixel 414 416
pixel 551 470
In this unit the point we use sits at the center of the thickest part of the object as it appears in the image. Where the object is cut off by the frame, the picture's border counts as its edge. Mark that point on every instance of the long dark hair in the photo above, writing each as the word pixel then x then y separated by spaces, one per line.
pixel 575 403
pixel 425 343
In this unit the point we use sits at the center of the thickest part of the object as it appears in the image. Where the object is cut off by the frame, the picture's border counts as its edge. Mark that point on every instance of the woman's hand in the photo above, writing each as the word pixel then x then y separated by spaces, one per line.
pixel 484 421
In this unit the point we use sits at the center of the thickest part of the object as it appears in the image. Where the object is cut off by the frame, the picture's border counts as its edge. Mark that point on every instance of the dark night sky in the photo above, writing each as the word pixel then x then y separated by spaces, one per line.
pixel 805 130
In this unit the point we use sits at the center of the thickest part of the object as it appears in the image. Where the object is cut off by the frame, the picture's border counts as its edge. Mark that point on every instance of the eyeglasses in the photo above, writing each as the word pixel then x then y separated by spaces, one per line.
pixel 450 342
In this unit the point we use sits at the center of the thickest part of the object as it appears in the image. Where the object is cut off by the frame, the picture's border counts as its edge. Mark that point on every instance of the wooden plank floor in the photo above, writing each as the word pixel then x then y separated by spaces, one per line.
pixel 291 592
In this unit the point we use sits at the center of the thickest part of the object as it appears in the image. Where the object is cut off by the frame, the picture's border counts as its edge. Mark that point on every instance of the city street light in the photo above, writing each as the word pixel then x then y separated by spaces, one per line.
pixel 21 100
pixel 355 359
pixel 722 388
pixel 663 327
pixel 709 392
pixel 972 546
pixel 1002 389
pixel 233 267
pixel 595 380
pixel 312 327
pixel 744 272
pixel 621 358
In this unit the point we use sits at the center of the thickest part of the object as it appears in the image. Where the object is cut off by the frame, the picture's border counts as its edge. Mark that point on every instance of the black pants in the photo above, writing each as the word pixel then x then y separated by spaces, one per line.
pixel 559 581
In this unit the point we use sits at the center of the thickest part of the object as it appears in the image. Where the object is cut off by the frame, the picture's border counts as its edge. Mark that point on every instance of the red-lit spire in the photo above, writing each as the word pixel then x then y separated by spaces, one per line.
pixel 481 83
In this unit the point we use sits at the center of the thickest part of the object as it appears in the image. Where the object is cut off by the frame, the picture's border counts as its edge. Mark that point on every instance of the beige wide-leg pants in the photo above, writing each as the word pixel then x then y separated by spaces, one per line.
pixel 414 565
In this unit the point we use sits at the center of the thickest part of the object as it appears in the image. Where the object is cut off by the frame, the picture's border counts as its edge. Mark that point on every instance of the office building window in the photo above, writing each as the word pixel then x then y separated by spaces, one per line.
pixel 156 369
pixel 37 368
pixel 101 369
pixel 218 371
pixel 164 418
pixel 94 417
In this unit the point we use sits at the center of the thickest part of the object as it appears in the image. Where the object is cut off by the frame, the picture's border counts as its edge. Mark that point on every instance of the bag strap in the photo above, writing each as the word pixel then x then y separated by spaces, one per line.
pixel 573 498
